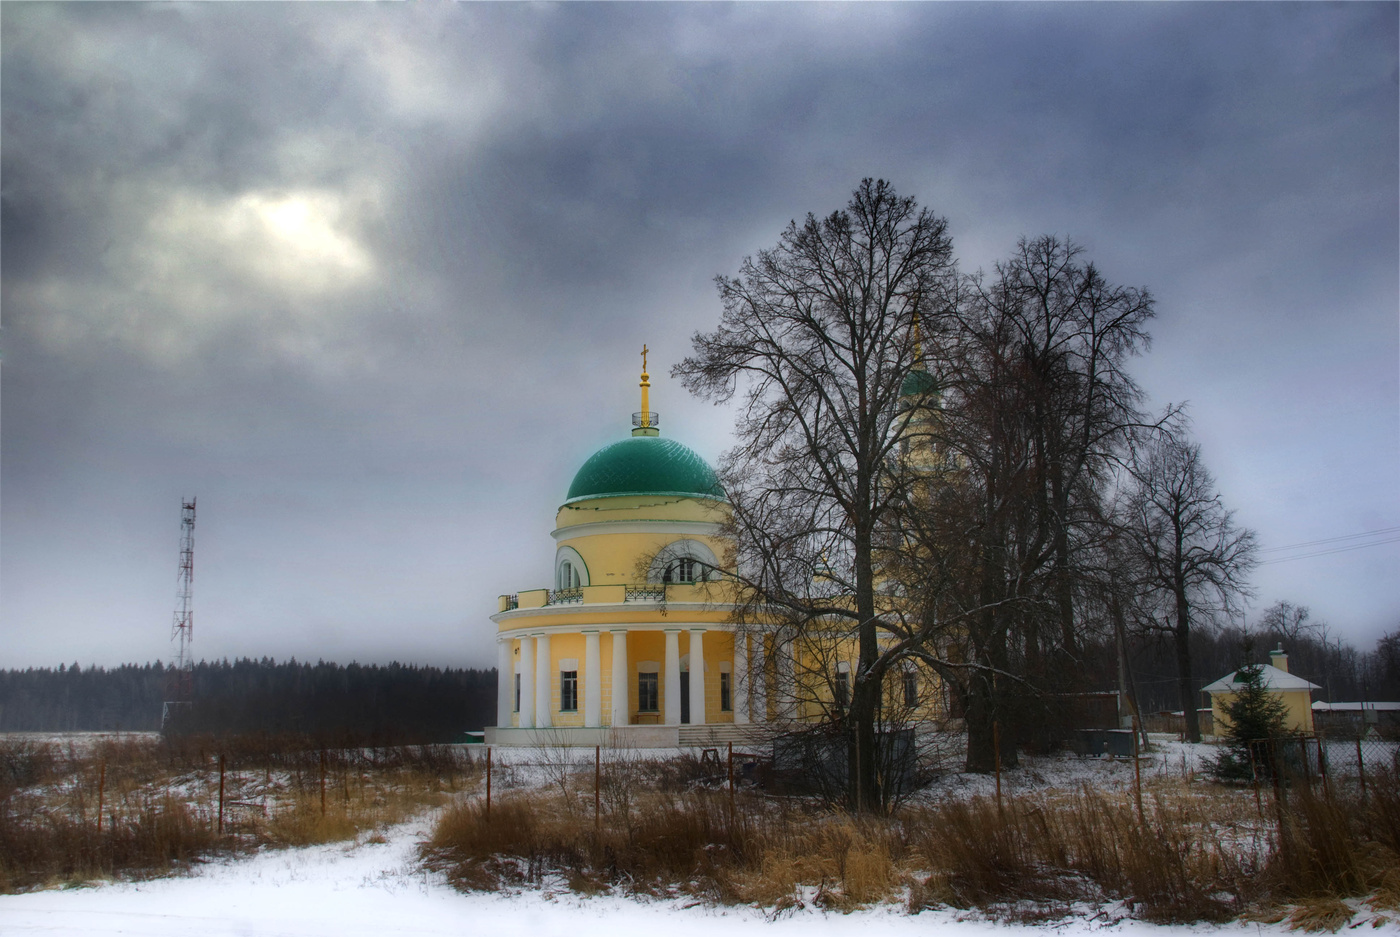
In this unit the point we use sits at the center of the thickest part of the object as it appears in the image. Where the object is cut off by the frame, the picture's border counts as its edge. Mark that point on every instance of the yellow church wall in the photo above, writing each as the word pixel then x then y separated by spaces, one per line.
pixel 648 646
pixel 640 508
pixel 562 646
pixel 623 558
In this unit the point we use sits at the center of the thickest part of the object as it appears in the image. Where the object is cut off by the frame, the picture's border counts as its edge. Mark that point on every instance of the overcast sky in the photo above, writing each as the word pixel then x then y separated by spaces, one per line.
pixel 371 281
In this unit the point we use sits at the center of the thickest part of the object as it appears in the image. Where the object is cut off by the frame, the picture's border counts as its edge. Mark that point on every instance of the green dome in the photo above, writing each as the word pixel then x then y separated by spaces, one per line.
pixel 917 384
pixel 645 465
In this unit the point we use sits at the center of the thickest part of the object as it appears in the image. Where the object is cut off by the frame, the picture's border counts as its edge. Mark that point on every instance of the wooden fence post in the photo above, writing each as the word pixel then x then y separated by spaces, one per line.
pixel 221 794
pixel 323 782
pixel 1137 773
pixel 597 787
pixel 731 782
pixel 488 785
pixel 101 790
pixel 996 749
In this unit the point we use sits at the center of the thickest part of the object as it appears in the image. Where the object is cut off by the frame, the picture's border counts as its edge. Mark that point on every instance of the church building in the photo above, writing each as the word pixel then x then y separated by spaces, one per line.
pixel 635 642
pixel 631 643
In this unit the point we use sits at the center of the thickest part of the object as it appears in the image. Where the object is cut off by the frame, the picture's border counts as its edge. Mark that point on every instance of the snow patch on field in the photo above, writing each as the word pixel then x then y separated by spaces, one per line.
pixel 377 889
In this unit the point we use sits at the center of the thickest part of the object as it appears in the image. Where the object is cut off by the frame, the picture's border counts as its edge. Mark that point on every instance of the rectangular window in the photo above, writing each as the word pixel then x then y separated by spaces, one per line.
pixel 647 695
pixel 568 691
pixel 517 692
pixel 911 689
pixel 843 690
pixel 724 703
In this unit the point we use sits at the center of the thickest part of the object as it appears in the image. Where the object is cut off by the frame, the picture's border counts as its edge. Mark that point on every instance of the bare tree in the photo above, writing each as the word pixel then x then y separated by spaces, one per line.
pixel 1191 559
pixel 1040 408
pixel 820 330
pixel 1284 621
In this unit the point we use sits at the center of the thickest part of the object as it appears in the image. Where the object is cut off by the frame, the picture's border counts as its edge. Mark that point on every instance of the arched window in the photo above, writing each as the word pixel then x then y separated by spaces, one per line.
pixel 684 561
pixel 570 572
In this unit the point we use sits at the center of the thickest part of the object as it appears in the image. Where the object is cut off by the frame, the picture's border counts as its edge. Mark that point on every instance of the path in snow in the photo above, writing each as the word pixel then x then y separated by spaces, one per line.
pixel 347 890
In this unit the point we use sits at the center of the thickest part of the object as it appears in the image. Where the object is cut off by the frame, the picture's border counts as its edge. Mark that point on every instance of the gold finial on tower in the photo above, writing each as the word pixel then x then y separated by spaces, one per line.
pixel 644 423
pixel 918 342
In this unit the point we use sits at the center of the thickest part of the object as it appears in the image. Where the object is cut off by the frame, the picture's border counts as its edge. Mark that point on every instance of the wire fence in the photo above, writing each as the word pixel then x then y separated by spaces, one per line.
pixel 1317 760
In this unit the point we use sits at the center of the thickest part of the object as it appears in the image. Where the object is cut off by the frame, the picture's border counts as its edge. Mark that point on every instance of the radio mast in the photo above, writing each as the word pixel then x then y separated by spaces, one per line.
pixel 179 683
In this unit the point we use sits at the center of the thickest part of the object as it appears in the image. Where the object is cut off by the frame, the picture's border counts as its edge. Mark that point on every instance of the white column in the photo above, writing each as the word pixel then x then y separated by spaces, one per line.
pixel 697 676
pixel 527 683
pixel 621 687
pixel 760 680
pixel 739 678
pixel 671 689
pixel 787 664
pixel 592 681
pixel 544 717
pixel 505 681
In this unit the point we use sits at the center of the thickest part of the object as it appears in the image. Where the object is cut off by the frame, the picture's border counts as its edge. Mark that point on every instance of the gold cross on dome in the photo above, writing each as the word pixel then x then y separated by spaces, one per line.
pixel 644 357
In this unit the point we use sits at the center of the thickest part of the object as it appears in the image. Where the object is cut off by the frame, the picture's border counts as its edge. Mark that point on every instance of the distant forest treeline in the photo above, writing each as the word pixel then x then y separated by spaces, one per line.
pixel 405 703
pixel 1342 672
pixel 397 702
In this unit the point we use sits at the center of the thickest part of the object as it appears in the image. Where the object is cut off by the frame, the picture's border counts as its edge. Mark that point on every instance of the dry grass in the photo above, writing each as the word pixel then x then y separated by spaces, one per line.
pixel 1320 914
pixel 1195 852
pixel 159 802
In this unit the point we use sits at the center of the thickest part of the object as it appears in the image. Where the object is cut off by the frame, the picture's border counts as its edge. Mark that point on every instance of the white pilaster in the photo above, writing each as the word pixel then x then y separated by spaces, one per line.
pixel 544 682
pixel 760 680
pixel 671 689
pixel 697 676
pixel 505 681
pixel 621 686
pixel 739 678
pixel 592 681
pixel 527 683
pixel 787 668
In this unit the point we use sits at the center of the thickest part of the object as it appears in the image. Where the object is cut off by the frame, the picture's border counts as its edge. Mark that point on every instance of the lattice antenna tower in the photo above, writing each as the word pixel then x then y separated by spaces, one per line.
pixel 179 687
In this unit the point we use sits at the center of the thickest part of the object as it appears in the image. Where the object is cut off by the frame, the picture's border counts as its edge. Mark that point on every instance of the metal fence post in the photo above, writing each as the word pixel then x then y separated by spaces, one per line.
pixel 1360 766
pixel 1322 770
pixel 488 785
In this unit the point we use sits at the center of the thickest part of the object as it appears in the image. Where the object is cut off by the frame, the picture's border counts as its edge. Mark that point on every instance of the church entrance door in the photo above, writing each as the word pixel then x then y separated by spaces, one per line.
pixel 685 697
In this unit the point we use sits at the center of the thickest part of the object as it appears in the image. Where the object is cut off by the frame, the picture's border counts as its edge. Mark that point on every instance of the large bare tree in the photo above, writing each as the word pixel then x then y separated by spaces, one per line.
pixel 1040 408
pixel 1192 560
pixel 818 336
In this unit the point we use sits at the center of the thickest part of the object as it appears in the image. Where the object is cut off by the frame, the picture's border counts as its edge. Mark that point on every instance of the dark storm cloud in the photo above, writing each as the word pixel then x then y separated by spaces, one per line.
pixel 371 280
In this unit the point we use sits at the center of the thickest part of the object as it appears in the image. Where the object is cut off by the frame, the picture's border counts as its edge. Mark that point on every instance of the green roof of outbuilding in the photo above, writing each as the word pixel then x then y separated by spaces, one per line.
pixel 645 465
pixel 917 384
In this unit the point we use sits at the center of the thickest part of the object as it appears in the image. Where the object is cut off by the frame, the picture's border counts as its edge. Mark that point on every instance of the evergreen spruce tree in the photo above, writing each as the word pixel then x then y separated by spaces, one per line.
pixel 1257 719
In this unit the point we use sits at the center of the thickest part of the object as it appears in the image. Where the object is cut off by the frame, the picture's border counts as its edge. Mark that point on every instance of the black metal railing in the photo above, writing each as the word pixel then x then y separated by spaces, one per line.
pixel 565 596
pixel 651 592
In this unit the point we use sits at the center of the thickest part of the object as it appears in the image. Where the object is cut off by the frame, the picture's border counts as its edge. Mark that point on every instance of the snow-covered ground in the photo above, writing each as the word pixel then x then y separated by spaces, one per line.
pixel 379 888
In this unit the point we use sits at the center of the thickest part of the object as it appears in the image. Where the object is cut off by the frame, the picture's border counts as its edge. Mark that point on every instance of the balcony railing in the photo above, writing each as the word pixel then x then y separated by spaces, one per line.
pixel 651 420
pixel 650 592
pixel 511 601
pixel 565 596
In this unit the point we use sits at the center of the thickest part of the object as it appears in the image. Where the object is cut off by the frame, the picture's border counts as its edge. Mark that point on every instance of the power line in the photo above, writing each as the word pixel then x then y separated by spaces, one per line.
pixel 1304 556
pixel 1313 543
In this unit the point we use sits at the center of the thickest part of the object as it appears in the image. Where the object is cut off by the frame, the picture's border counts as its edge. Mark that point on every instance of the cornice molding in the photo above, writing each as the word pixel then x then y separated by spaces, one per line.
pixel 576 608
pixel 593 528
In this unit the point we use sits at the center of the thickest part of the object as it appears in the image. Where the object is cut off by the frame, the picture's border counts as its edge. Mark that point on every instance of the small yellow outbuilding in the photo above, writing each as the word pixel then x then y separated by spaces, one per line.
pixel 1295 692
